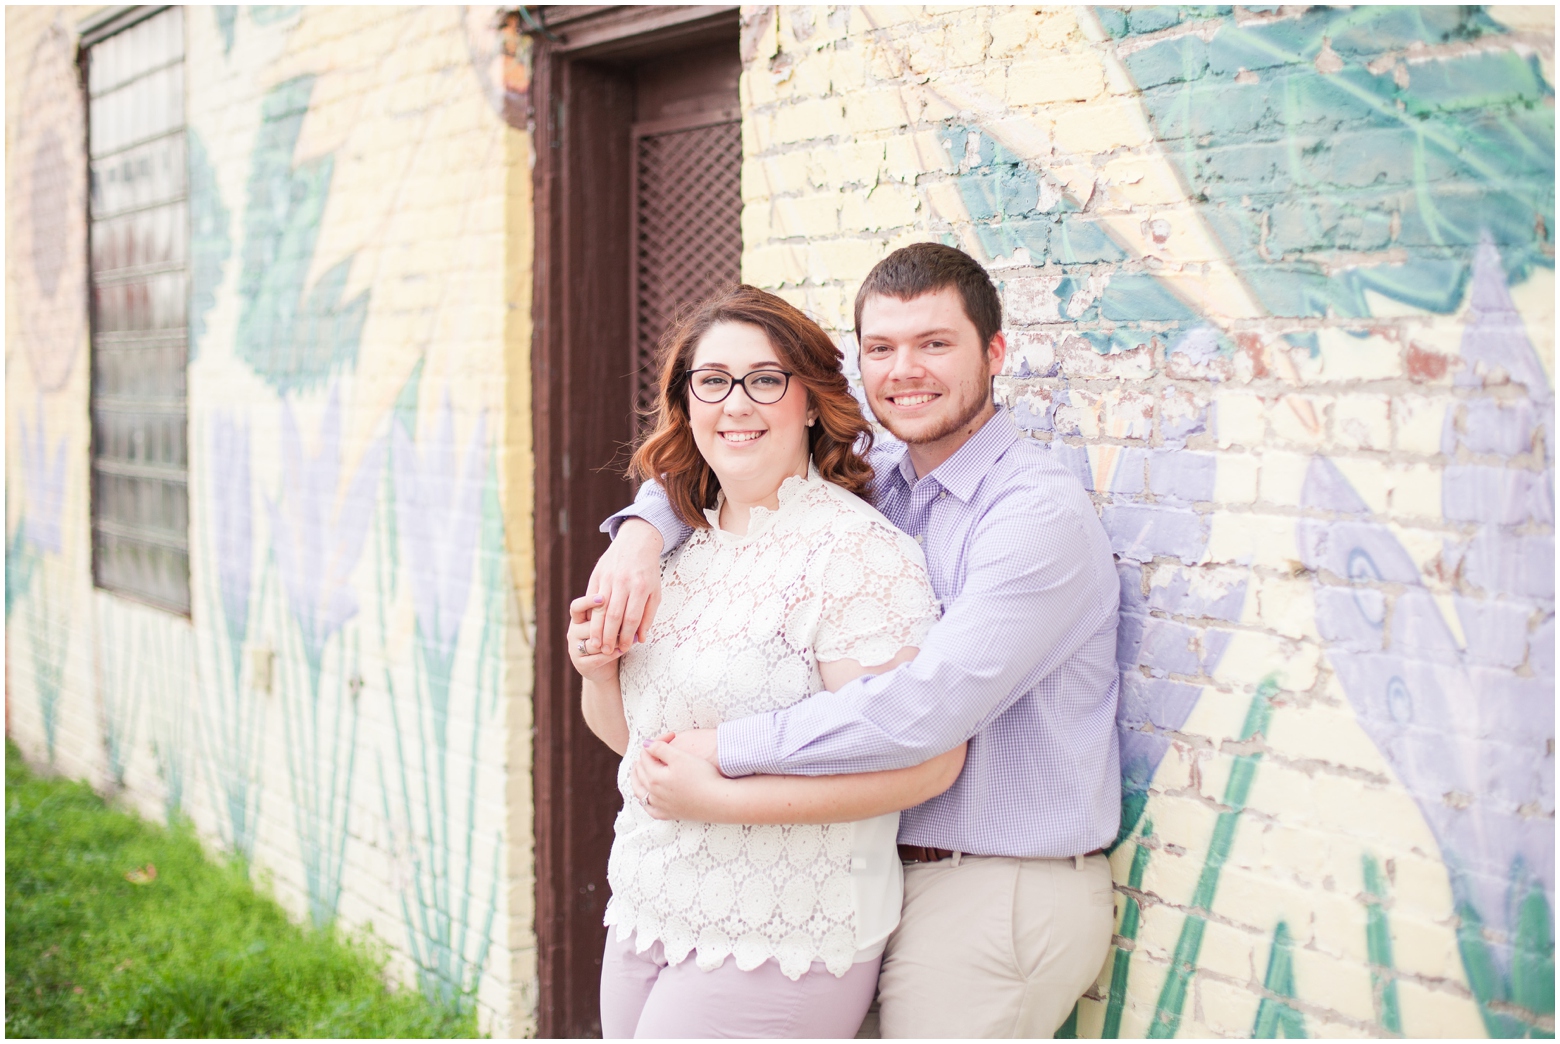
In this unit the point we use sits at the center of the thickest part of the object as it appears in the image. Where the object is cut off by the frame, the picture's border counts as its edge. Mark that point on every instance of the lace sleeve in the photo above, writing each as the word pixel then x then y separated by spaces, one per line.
pixel 876 597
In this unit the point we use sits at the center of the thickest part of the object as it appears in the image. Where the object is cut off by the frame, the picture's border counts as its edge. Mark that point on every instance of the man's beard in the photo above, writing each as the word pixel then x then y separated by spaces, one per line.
pixel 940 431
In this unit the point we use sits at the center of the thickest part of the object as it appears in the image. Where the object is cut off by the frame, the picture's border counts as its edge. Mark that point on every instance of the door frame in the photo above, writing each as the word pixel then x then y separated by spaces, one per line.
pixel 582 106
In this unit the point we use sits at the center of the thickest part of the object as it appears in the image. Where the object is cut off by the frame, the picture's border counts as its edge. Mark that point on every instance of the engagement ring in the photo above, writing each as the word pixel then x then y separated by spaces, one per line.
pixel 581 648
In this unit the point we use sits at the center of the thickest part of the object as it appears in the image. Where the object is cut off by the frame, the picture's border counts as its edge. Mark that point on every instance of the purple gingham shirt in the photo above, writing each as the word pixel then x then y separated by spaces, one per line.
pixel 1022 663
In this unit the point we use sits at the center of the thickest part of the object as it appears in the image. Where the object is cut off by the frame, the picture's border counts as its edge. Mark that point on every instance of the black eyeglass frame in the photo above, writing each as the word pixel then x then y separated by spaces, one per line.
pixel 735 381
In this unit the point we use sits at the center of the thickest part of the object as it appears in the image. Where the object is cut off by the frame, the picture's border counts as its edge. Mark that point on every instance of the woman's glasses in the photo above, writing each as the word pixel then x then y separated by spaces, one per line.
pixel 765 387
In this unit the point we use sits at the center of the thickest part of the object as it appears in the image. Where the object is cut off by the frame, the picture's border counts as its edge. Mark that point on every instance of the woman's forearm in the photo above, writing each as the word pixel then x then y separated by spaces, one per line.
pixel 834 799
pixel 601 703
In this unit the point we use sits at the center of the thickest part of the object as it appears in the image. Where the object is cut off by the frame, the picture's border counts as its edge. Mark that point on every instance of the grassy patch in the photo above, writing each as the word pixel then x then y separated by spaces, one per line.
pixel 192 951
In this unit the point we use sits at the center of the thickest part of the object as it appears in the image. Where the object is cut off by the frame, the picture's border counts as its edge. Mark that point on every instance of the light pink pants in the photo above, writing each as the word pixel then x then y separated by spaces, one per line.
pixel 643 996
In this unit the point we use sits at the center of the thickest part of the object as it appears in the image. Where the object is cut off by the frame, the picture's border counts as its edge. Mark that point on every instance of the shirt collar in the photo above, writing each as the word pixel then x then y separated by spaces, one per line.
pixel 961 473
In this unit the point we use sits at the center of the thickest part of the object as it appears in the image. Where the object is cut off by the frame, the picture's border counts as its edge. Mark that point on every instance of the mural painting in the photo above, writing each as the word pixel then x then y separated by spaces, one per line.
pixel 345 741
pixel 1272 279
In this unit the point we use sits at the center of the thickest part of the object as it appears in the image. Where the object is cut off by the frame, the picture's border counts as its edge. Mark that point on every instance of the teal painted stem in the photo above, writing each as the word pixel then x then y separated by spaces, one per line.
pixel 1130 917
pixel 1378 947
pixel 1275 1017
pixel 1172 996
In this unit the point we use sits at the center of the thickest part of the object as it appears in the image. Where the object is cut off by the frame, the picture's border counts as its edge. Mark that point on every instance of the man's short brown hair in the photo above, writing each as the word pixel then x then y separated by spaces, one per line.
pixel 922 268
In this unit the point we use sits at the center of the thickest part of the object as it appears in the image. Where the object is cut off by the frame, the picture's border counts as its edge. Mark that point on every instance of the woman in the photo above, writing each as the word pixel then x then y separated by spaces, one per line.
pixel 782 889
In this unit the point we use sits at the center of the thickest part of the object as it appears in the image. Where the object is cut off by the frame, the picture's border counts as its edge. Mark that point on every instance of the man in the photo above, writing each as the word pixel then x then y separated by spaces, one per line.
pixel 1008 909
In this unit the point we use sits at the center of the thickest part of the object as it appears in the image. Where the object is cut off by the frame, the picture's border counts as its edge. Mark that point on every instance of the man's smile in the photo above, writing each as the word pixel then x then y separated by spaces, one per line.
pixel 911 400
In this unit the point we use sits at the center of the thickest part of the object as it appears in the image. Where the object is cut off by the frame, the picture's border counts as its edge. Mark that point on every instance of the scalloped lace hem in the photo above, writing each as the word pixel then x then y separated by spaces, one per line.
pixel 793 963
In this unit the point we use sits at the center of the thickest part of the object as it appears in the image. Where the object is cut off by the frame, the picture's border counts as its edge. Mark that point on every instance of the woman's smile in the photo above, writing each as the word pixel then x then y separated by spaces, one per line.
pixel 741 437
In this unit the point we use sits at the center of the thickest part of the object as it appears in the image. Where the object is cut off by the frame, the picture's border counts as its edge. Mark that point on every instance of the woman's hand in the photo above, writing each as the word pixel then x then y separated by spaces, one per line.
pixel 674 784
pixel 595 667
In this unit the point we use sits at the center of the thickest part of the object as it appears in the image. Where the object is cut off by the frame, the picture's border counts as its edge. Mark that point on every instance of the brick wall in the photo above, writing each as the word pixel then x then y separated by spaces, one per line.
pixel 1279 286
pixel 355 520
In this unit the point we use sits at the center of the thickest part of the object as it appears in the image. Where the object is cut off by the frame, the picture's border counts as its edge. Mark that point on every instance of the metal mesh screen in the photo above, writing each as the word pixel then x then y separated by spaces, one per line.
pixel 139 261
pixel 688 234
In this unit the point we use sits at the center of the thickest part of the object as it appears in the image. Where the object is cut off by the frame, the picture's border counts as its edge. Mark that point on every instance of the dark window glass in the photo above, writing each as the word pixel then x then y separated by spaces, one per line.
pixel 140 268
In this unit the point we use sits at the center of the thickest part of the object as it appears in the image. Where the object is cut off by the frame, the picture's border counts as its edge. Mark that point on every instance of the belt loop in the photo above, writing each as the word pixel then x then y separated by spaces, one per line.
pixel 1078 862
pixel 956 857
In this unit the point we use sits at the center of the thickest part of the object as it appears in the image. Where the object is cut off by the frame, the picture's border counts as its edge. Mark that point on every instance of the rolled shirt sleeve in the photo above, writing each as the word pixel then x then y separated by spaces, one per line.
pixel 651 504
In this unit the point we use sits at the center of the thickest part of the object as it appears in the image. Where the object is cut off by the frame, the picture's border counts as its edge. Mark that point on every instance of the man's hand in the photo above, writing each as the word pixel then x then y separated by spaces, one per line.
pixel 627 580
pixel 673 784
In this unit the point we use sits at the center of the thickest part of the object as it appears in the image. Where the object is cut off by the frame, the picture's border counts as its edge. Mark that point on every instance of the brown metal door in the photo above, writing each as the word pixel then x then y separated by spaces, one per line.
pixel 637 203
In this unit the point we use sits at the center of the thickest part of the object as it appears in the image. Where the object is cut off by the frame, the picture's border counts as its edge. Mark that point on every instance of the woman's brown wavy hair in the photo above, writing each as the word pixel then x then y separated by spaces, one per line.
pixel 838 442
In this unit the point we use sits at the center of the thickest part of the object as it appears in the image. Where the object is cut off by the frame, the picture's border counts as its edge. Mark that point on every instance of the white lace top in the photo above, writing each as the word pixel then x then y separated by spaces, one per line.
pixel 743 623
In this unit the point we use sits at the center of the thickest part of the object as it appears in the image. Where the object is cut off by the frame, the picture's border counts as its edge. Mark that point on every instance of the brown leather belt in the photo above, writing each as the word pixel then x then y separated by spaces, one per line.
pixel 928 854
pixel 923 854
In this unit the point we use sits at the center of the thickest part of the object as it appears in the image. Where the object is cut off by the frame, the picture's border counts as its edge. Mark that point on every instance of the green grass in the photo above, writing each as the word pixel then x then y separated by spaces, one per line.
pixel 197 952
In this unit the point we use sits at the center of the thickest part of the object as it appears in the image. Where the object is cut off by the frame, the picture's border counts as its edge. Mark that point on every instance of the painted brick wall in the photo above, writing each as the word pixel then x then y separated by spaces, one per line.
pixel 356 522
pixel 1279 286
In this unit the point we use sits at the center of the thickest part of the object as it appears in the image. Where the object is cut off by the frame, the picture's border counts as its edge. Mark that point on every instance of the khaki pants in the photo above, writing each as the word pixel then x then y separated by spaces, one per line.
pixel 995 946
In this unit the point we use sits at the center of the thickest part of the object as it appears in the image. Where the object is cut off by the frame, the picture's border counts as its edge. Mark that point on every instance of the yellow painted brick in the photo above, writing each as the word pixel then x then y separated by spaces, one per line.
pixel 1437 1012
pixel 756 86
pixel 757 180
pixel 847 67
pixel 1228 1010
pixel 1056 78
pixel 1340 987
pixel 1287 852
pixel 945 200
pixel 1101 126
pixel 1235 481
pixel 788 172
pixel 1363 422
pixel 993 81
pixel 1012 28
pixel 1228 951
pixel 1158 929
pixel 823 167
pixel 842 259
pixel 891 206
pixel 928 52
pixel 1240 419
pixel 1321 732
pixel 1283 478
pixel 1217 715
pixel 966 41
pixel 811 75
pixel 906 157
pixel 1375 811
pixel 758 133
pixel 755 222
pixel 883 109
pixel 1286 607
pixel 1416 491
pixel 774 266
pixel 1252 539
pixel 1421 947
pixel 1370 479
pixel 1300 420
pixel 1282 793
pixel 819 118
pixel 860 162
pixel 1251 658
pixel 806 216
pixel 935 108
pixel 1345 357
pixel 1417 424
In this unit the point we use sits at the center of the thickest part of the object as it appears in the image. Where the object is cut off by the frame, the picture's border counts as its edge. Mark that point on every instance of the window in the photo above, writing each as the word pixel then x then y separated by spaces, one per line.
pixel 139 265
